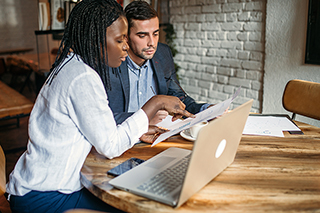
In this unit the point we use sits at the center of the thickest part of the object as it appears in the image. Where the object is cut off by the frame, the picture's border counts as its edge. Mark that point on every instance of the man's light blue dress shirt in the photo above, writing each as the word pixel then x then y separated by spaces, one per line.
pixel 142 85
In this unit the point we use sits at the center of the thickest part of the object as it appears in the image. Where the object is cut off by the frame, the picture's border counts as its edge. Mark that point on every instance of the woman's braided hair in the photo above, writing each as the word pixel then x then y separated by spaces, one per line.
pixel 85 35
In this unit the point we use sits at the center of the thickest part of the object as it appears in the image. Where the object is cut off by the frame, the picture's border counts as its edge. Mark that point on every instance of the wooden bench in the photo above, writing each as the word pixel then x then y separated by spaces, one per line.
pixel 13 104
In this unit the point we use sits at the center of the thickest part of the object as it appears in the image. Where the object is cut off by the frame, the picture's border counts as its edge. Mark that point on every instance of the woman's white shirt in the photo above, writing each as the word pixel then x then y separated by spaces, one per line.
pixel 69 117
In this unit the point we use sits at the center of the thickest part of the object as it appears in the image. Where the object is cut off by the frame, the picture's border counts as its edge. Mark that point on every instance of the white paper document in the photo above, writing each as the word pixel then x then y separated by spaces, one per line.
pixel 268 125
pixel 180 125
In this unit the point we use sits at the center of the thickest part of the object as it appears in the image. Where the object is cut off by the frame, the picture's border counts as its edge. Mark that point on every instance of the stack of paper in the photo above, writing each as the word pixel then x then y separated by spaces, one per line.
pixel 267 125
pixel 180 125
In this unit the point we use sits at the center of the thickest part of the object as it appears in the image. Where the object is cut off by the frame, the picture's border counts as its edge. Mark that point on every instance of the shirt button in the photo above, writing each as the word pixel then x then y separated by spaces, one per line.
pixel 140 93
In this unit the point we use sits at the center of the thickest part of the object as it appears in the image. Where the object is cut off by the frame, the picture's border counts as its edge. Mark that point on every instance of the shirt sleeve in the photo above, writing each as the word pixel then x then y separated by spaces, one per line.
pixel 205 106
pixel 92 115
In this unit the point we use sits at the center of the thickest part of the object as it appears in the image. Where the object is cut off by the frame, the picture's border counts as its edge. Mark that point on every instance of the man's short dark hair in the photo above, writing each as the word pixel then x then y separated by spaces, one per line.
pixel 139 10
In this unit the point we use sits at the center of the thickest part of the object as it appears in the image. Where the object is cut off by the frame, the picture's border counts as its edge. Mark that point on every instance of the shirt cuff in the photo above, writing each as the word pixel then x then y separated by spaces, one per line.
pixel 205 106
pixel 142 122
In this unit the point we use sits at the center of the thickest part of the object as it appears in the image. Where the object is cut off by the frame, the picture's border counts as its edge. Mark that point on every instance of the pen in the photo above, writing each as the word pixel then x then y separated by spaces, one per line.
pixel 153 90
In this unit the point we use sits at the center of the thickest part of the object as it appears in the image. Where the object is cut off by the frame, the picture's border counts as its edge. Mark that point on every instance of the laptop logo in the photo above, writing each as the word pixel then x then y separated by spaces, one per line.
pixel 221 147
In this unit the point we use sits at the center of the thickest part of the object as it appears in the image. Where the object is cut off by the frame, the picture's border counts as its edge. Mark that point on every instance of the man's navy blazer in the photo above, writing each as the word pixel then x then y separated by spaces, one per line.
pixel 165 77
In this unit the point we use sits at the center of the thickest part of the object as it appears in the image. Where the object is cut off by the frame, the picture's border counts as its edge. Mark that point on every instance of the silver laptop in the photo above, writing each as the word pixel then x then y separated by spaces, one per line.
pixel 175 174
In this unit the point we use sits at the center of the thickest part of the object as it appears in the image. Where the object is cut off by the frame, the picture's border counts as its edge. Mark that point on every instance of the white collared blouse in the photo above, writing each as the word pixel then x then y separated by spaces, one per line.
pixel 69 117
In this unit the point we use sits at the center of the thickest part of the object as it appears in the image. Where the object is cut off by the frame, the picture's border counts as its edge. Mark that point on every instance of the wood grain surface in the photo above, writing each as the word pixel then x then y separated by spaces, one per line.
pixel 269 174
pixel 12 103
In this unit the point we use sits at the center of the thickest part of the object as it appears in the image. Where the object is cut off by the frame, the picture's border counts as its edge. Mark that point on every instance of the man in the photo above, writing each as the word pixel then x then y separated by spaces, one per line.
pixel 148 69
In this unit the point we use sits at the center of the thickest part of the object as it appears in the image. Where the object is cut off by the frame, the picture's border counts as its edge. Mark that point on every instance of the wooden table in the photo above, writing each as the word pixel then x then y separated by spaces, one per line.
pixel 15 51
pixel 13 104
pixel 268 174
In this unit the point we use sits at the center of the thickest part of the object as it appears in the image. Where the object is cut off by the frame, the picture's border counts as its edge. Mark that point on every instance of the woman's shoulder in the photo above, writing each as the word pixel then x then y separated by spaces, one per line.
pixel 74 67
pixel 73 71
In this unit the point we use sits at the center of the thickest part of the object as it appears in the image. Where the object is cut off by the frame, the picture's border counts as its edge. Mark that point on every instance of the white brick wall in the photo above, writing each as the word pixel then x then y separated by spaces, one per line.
pixel 220 47
pixel 220 44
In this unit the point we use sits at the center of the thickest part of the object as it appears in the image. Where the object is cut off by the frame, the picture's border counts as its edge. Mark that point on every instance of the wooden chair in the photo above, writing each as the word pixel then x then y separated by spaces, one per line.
pixel 19 68
pixel 3 67
pixel 54 51
pixel 303 98
pixel 4 204
pixel 2 172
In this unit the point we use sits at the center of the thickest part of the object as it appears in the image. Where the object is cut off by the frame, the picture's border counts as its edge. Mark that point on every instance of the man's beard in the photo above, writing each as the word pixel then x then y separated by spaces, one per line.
pixel 143 56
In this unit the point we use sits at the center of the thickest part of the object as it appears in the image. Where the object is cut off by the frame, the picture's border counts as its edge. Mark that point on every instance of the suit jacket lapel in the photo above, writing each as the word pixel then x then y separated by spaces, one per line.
pixel 161 81
pixel 125 83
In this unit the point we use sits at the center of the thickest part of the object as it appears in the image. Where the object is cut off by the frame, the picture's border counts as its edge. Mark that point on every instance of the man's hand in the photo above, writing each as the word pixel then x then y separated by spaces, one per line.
pixel 152 134
pixel 171 104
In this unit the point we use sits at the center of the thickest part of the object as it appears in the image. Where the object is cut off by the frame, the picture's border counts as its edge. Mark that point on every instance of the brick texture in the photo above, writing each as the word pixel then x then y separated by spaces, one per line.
pixel 220 47
pixel 220 44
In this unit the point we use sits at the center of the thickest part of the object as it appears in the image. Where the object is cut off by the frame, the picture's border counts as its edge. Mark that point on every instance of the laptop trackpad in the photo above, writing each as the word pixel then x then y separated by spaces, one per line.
pixel 160 162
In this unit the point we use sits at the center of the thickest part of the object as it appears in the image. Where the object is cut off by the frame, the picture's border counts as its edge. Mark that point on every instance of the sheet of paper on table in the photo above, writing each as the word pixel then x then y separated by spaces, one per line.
pixel 269 125
pixel 180 125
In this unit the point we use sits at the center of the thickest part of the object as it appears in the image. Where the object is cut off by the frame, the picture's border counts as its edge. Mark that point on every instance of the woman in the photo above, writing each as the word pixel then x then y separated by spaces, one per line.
pixel 71 114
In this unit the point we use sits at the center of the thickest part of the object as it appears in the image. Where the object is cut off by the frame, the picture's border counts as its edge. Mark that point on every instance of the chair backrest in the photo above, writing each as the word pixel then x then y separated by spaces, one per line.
pixel 16 65
pixel 3 67
pixel 303 98
pixel 2 172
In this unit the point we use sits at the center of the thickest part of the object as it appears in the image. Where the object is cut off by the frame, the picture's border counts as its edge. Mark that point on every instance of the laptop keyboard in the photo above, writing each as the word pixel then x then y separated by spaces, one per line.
pixel 167 180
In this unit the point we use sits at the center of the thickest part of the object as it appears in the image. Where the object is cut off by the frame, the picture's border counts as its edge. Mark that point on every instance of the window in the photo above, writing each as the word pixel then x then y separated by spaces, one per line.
pixel 313 33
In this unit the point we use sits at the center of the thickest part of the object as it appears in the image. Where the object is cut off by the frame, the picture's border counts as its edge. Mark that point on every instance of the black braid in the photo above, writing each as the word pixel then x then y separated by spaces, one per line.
pixel 85 35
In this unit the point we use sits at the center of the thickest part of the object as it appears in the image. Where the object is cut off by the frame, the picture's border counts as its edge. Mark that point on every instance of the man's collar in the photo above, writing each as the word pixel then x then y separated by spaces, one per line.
pixel 133 66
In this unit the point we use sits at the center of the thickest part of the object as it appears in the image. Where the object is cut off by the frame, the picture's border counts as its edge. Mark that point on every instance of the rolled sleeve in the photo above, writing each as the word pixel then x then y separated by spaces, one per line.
pixel 91 113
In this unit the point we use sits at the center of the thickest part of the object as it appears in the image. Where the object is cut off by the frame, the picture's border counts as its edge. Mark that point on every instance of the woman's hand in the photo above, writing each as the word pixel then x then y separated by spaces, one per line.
pixel 160 115
pixel 152 134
